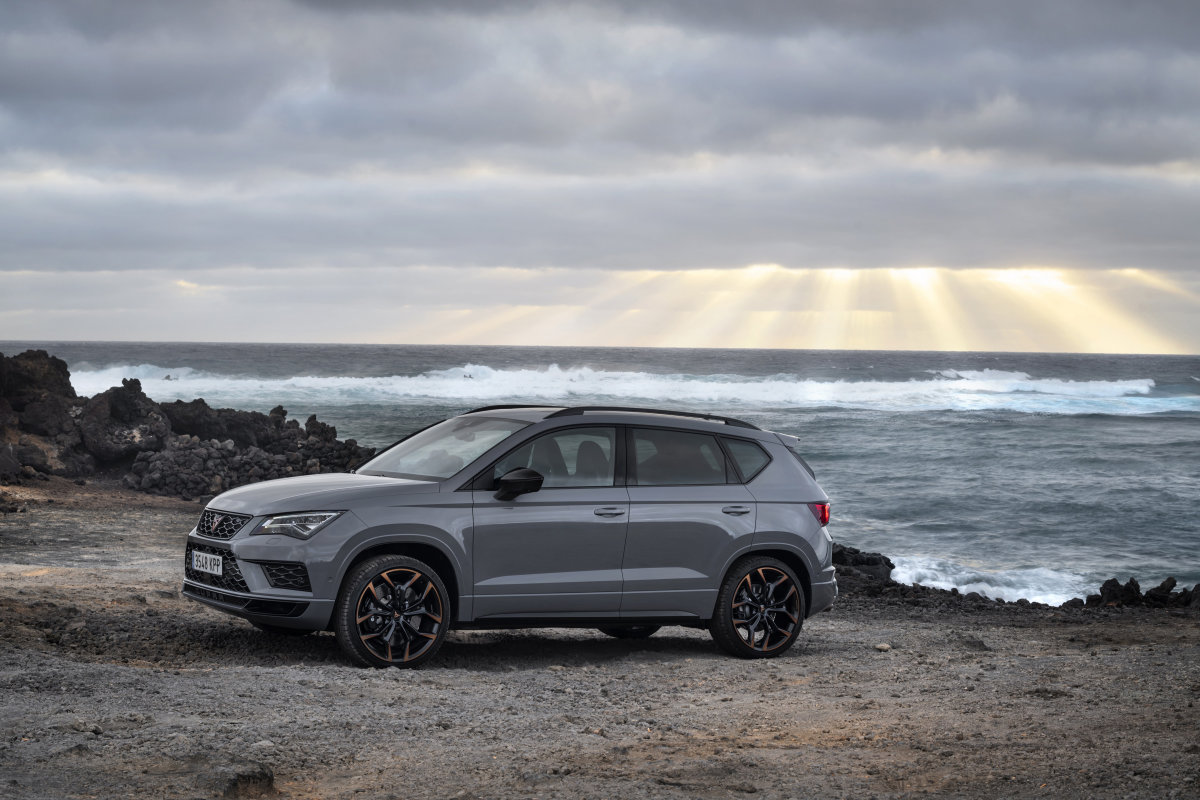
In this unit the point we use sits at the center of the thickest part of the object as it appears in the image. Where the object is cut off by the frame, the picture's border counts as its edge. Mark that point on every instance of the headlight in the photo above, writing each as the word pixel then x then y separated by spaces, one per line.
pixel 299 526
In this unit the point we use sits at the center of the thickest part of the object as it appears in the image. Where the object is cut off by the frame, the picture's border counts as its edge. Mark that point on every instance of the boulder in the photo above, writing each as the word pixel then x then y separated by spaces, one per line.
pixel 31 376
pixel 122 422
pixel 319 430
pixel 10 466
pixel 39 453
pixel 1113 593
pixel 875 565
pixel 1160 595
pixel 51 416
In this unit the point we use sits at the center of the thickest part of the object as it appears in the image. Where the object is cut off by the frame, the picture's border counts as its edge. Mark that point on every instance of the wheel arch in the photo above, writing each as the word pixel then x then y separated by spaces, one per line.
pixel 422 551
pixel 789 557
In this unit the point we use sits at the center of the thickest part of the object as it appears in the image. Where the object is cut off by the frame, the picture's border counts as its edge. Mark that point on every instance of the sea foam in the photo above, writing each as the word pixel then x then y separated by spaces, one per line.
pixel 981 390
pixel 1036 584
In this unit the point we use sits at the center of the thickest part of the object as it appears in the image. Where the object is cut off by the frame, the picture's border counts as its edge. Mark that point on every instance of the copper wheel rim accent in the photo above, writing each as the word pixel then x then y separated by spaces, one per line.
pixel 399 615
pixel 766 609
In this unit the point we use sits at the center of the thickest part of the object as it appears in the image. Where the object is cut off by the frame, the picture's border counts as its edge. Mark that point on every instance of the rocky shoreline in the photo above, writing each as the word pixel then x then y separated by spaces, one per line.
pixel 191 450
pixel 179 449
pixel 871 574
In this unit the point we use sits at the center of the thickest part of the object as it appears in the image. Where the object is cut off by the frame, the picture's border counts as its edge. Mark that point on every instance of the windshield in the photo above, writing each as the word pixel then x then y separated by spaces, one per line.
pixel 439 452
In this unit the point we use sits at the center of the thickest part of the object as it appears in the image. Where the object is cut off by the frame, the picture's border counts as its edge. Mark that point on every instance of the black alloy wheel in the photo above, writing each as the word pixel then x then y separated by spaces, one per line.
pixel 629 631
pixel 392 611
pixel 760 609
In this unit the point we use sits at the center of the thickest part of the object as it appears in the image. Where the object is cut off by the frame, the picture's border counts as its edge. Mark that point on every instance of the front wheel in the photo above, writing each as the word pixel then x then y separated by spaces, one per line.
pixel 760 609
pixel 392 611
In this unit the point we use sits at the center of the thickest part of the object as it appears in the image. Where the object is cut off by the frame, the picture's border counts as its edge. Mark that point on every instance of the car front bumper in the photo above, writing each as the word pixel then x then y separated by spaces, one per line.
pixel 258 581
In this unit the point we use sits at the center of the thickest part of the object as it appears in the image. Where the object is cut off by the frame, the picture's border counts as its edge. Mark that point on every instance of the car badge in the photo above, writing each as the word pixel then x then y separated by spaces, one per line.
pixel 215 522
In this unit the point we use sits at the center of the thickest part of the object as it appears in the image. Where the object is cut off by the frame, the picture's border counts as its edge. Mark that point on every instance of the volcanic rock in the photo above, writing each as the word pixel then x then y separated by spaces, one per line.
pixel 245 428
pixel 1113 593
pixel 33 375
pixel 1160 595
pixel 874 565
pixel 10 466
pixel 122 422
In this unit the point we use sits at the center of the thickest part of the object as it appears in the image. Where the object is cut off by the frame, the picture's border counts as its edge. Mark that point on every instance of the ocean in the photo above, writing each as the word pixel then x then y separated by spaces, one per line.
pixel 1015 475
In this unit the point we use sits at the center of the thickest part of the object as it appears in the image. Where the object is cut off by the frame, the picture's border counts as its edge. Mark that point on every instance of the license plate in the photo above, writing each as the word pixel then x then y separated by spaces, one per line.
pixel 206 562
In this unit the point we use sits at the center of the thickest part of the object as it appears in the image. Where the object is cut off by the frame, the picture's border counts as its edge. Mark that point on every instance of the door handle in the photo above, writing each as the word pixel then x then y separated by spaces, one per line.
pixel 609 511
pixel 735 511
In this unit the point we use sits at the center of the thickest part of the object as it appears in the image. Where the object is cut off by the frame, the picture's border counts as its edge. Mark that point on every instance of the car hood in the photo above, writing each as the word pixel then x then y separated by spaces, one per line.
pixel 328 492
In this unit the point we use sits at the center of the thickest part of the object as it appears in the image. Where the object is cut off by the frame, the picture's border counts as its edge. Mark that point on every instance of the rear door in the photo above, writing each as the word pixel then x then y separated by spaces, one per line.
pixel 555 552
pixel 688 515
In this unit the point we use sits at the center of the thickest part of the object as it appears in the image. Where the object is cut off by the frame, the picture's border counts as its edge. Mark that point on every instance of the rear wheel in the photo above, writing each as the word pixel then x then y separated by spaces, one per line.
pixel 392 611
pixel 629 631
pixel 760 609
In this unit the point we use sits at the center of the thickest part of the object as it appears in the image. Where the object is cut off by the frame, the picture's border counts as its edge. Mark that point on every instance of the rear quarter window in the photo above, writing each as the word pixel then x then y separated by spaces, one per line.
pixel 749 457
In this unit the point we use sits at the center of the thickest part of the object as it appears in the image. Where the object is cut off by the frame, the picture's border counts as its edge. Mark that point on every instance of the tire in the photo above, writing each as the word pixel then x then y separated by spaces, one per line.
pixel 760 609
pixel 279 630
pixel 392 611
pixel 629 631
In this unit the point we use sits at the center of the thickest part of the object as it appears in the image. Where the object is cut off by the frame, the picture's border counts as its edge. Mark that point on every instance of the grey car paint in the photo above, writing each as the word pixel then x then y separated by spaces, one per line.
pixel 555 552
pixel 617 552
pixel 681 540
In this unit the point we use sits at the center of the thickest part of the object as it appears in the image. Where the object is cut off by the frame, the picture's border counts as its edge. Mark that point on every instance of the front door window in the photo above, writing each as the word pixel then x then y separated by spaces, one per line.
pixel 577 457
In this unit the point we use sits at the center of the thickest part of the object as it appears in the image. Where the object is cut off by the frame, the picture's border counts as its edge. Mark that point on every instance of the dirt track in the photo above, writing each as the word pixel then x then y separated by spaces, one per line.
pixel 112 685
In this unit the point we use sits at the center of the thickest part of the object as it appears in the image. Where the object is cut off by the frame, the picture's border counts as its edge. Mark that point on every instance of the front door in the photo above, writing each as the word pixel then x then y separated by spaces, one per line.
pixel 554 552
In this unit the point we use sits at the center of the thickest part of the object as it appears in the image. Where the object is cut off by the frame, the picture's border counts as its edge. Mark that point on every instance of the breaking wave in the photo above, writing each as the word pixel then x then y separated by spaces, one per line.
pixel 1036 584
pixel 982 390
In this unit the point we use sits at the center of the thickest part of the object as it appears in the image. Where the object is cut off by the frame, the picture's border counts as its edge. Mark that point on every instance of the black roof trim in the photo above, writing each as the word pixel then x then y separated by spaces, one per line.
pixel 737 423
pixel 507 407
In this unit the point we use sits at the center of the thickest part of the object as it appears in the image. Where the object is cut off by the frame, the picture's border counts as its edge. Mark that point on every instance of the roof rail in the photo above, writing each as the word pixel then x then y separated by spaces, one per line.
pixel 508 406
pixel 566 412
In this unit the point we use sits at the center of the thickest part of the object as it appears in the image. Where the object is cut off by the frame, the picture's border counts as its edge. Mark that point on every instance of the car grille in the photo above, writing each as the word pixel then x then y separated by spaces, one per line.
pixel 220 524
pixel 286 575
pixel 231 578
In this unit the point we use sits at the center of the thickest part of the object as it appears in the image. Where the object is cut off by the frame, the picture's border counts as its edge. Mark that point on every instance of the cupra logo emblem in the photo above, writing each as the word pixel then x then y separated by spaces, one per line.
pixel 216 521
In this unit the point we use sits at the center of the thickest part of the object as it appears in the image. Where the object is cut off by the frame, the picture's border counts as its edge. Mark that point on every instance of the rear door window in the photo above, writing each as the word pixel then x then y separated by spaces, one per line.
pixel 677 458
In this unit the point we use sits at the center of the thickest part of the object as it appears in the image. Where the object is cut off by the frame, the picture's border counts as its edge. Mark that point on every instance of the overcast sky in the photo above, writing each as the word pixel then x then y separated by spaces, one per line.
pixel 941 175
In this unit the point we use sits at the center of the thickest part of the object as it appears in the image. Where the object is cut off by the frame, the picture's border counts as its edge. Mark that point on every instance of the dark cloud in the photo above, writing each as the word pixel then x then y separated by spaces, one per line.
pixel 875 219
pixel 619 134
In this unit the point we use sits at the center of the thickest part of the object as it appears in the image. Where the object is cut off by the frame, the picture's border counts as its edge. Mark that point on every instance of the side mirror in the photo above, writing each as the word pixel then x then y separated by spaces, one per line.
pixel 519 481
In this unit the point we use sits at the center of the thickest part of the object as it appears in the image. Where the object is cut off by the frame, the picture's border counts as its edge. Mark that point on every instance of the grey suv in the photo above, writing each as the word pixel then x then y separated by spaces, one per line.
pixel 520 516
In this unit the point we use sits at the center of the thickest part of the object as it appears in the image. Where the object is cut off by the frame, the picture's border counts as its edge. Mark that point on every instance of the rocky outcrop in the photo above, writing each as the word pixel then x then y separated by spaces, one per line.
pixel 186 449
pixel 192 466
pixel 852 562
pixel 31 376
pixel 245 428
pixel 1113 593
pixel 46 428
pixel 38 407
pixel 122 422
pixel 870 574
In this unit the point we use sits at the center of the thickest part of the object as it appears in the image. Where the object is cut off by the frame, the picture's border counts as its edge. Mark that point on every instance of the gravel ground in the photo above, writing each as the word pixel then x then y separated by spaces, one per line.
pixel 113 685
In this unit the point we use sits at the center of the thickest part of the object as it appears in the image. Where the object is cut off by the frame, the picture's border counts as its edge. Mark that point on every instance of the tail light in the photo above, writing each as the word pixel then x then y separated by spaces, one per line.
pixel 821 512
